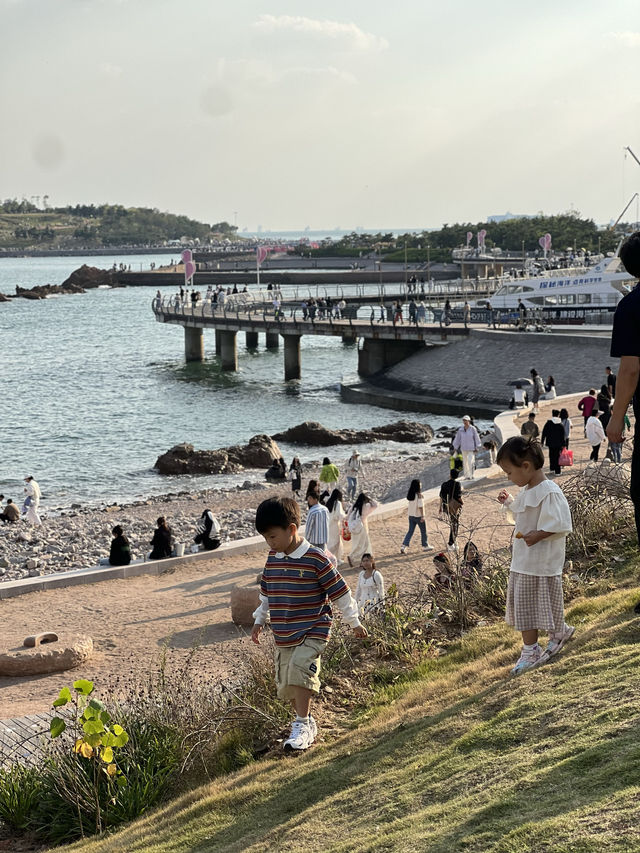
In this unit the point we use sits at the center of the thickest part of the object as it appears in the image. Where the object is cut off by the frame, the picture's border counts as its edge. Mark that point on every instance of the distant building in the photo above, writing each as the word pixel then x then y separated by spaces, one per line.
pixel 504 216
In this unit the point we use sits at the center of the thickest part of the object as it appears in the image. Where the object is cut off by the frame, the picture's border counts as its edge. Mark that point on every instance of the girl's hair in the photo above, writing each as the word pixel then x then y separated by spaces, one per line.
pixel 605 391
pixel 162 522
pixel 370 556
pixel 564 414
pixel 312 488
pixel 326 461
pixel 414 489
pixel 361 500
pixel 296 462
pixel 551 381
pixel 336 495
pixel 521 449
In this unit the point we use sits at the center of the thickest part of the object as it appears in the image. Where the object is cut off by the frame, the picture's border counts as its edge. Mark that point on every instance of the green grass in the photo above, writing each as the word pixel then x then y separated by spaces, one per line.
pixel 457 757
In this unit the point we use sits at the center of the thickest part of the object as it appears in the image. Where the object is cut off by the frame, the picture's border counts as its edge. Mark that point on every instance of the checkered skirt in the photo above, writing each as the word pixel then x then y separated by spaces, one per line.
pixel 535 602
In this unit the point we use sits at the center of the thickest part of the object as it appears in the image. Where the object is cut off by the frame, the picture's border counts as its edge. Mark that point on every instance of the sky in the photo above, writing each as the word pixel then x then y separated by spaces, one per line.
pixel 358 113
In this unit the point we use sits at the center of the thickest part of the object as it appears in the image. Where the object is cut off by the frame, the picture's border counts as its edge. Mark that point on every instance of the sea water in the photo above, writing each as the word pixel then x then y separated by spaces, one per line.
pixel 93 389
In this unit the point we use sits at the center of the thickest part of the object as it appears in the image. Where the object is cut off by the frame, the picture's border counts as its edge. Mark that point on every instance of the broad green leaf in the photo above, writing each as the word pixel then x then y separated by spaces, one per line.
pixel 83 686
pixel 117 730
pixel 121 781
pixel 107 756
pixel 94 740
pixel 93 727
pixel 96 704
pixel 109 739
pixel 63 697
pixel 121 739
pixel 89 713
pixel 105 716
pixel 57 726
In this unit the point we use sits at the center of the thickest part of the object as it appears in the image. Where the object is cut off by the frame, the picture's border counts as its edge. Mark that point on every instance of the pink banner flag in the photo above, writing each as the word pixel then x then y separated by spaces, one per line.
pixel 469 238
pixel 547 241
pixel 189 270
pixel 187 256
pixel 261 254
pixel 481 235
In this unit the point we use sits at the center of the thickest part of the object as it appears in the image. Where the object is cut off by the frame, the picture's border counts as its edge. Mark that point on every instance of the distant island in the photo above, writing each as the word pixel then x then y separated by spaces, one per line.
pixel 25 227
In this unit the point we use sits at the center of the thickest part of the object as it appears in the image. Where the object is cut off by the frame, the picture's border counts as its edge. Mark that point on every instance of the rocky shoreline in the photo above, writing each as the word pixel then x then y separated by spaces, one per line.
pixel 78 537
pixel 83 279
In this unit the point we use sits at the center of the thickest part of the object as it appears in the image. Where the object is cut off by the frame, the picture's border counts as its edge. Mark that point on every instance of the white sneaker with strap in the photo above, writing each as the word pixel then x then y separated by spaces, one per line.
pixel 557 641
pixel 300 737
pixel 527 660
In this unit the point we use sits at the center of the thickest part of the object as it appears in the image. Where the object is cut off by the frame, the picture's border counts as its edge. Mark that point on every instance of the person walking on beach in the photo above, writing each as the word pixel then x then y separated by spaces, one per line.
pixel 611 381
pixel 586 406
pixel 451 504
pixel 317 524
pixel 542 522
pixel 295 475
pixel 161 542
pixel 604 405
pixel 359 528
pixel 32 501
pixel 329 475
pixel 335 508
pixel 370 587
pixel 595 434
pixel 354 470
pixel 467 441
pixel 565 420
pixel 554 438
pixel 415 511
pixel 298 585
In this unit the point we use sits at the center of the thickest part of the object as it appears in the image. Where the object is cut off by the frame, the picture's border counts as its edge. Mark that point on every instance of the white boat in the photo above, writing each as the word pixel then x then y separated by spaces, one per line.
pixel 596 288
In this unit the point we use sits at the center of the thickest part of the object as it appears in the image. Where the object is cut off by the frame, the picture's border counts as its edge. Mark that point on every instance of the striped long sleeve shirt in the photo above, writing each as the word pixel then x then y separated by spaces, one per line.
pixel 316 529
pixel 296 591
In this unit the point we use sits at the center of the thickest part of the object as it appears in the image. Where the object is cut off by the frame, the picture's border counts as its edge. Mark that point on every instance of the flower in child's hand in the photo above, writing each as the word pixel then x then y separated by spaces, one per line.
pixel 360 632
pixel 519 535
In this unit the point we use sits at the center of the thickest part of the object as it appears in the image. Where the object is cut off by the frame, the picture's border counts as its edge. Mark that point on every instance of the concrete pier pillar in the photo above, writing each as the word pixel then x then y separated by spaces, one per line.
pixel 218 342
pixel 193 344
pixel 291 356
pixel 228 350
pixel 251 340
pixel 273 340
pixel 376 355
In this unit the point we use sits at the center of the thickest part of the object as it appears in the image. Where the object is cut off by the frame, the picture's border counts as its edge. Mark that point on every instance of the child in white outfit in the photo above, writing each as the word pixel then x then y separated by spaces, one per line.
pixel 542 522
pixel 370 588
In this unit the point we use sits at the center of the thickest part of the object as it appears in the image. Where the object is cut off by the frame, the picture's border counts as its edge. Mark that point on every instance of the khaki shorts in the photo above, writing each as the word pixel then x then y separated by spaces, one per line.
pixel 299 666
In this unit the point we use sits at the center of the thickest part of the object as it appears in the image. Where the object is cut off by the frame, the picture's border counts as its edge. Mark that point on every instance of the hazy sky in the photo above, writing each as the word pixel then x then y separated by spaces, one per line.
pixel 351 113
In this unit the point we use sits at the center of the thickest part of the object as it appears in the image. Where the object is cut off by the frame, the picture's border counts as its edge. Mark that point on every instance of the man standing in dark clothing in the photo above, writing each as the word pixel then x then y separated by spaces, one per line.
pixel 611 381
pixel 553 437
pixel 625 345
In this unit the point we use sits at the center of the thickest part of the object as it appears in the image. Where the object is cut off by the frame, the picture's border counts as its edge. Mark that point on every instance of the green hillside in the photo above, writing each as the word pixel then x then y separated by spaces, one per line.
pixel 23 226
pixel 459 757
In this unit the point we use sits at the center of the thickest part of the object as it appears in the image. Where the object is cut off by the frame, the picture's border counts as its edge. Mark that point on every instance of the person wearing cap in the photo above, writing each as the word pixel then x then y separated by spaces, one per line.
pixel 467 441
pixel 32 500
pixel 354 468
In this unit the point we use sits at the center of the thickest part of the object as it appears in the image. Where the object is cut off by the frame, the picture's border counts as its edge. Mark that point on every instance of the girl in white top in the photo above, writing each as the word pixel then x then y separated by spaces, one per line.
pixel 594 432
pixel 336 517
pixel 416 517
pixel 370 588
pixel 542 521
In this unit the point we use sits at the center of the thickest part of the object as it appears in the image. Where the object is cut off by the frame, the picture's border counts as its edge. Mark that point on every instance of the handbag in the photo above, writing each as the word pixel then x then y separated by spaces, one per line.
pixel 565 460
pixel 345 532
pixel 454 506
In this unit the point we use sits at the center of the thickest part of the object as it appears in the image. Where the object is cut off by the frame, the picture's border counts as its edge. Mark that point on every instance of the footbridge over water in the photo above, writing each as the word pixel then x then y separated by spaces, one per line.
pixel 383 344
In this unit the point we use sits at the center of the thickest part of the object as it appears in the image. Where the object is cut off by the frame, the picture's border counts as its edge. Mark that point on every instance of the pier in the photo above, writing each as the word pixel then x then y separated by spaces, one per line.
pixel 383 344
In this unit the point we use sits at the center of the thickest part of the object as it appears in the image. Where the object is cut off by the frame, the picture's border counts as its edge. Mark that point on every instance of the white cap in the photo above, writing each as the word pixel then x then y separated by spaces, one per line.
pixel 466 418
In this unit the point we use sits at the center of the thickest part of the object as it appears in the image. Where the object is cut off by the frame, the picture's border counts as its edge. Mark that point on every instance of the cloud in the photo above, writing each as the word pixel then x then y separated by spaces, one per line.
pixel 628 38
pixel 348 34
pixel 110 70
pixel 321 72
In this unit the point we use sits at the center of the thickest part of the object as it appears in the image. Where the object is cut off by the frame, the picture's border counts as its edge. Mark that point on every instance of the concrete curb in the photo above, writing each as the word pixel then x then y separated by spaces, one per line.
pixel 504 427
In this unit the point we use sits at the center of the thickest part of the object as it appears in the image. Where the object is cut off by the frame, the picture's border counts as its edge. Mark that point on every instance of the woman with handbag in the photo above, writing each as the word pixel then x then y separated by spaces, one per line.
pixel 359 528
pixel 451 504
pixel 416 517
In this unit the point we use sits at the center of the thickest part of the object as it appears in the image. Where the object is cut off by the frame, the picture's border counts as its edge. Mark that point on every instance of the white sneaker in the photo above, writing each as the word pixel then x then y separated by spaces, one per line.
pixel 427 548
pixel 300 737
pixel 403 549
pixel 557 641
pixel 527 660
pixel 313 729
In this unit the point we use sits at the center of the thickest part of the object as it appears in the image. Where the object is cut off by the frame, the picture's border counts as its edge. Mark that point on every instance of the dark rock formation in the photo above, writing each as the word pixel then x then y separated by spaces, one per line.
pixel 311 432
pixel 184 459
pixel 86 278
pixel 4 297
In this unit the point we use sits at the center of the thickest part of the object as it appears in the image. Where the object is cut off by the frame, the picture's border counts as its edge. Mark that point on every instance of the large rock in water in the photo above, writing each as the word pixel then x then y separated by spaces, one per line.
pixel 184 459
pixel 86 277
pixel 311 432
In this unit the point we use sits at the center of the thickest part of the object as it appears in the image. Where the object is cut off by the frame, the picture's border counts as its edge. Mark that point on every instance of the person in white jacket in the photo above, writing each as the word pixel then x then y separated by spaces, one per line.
pixel 467 441
pixel 595 434
pixel 32 500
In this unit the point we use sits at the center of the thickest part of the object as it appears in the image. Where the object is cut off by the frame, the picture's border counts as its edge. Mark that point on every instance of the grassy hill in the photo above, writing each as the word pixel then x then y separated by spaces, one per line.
pixel 456 757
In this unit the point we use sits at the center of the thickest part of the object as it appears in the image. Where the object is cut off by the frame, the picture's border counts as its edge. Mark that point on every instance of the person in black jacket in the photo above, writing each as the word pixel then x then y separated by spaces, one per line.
pixel 120 551
pixel 161 542
pixel 451 504
pixel 554 438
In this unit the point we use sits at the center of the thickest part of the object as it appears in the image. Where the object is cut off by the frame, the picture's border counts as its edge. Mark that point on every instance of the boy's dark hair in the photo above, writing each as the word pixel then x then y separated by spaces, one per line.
pixel 630 254
pixel 555 413
pixel 520 449
pixel 117 530
pixel 592 391
pixel 277 512
pixel 454 473
pixel 326 461
pixel 532 416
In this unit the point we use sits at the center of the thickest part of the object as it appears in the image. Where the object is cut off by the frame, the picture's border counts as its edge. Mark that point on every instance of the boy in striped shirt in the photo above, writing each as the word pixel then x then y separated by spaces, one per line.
pixel 298 582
